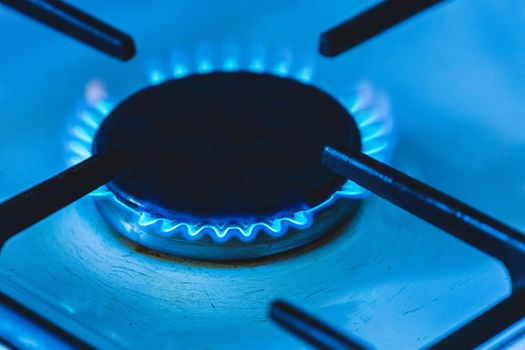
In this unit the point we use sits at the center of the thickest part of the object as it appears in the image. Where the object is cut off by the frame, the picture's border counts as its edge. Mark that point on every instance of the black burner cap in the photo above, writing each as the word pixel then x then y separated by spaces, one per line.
pixel 227 145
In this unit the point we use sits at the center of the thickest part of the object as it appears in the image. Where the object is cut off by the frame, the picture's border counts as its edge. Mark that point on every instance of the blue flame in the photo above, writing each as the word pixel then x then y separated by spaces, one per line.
pixel 369 108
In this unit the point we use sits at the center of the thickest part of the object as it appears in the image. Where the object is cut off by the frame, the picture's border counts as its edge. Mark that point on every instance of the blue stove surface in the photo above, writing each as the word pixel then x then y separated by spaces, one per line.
pixel 454 81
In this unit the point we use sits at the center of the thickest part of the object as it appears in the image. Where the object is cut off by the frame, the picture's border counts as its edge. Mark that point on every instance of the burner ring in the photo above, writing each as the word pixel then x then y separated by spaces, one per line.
pixel 206 246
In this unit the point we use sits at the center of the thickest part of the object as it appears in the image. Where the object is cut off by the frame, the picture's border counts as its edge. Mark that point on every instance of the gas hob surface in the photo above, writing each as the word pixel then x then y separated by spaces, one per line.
pixel 453 78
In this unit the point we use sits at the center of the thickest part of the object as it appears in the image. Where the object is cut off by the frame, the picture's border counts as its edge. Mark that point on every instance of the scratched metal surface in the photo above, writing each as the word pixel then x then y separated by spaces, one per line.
pixel 454 79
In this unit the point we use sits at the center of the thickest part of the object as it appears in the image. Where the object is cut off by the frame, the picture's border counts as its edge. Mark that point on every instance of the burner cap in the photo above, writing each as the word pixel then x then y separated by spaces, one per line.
pixel 227 145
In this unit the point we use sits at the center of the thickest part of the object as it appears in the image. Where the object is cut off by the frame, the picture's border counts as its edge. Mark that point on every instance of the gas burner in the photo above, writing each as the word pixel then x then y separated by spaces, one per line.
pixel 247 185
pixel 229 155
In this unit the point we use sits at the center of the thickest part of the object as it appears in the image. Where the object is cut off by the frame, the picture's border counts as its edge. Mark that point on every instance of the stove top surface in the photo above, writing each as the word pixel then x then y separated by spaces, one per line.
pixel 454 82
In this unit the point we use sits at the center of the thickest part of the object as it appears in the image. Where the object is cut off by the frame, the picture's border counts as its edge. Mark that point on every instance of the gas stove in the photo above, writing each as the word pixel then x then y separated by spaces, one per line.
pixel 247 178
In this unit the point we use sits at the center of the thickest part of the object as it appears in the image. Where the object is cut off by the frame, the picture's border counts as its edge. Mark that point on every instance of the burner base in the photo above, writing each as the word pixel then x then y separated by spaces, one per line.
pixel 205 248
